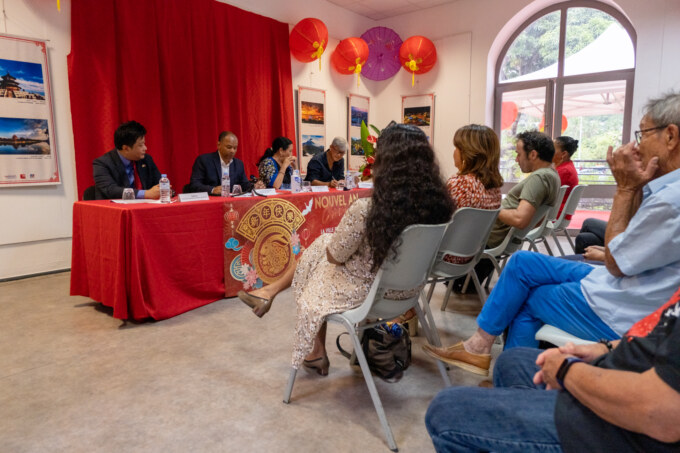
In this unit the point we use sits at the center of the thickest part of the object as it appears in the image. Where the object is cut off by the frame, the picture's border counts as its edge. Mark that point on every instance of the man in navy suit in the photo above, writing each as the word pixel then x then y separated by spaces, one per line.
pixel 206 174
pixel 127 165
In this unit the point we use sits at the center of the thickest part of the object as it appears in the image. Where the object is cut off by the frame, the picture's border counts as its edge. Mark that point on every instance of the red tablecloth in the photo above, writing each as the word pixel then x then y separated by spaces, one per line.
pixel 156 261
pixel 148 260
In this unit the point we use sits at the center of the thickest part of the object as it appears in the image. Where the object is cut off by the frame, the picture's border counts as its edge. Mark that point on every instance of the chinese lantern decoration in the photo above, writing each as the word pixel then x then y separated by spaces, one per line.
pixel 509 112
pixel 349 56
pixel 417 55
pixel 308 40
pixel 541 125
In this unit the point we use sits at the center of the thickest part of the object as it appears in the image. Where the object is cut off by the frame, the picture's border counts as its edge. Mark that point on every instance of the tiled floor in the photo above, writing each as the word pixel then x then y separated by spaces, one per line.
pixel 72 378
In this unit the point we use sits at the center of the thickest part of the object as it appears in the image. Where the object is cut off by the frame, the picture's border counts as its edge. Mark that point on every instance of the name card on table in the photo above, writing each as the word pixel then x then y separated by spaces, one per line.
pixel 199 196
pixel 365 185
pixel 319 188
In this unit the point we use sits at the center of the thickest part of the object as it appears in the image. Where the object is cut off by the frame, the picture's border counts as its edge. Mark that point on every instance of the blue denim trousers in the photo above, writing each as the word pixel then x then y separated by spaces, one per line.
pixel 536 289
pixel 515 416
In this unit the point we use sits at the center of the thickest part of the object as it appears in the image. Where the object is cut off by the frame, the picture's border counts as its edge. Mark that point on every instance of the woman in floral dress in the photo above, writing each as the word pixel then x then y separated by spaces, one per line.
pixel 476 154
pixel 336 272
pixel 277 164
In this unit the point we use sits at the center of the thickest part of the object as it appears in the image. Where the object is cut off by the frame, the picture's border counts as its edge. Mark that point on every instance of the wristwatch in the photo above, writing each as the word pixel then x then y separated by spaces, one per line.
pixel 562 371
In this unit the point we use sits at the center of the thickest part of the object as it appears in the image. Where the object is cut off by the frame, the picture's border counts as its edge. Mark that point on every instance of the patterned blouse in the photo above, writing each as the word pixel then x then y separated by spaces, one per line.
pixel 468 192
pixel 269 170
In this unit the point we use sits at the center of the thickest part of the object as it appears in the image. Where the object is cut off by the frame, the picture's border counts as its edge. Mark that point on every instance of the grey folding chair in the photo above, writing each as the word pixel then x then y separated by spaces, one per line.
pixel 418 245
pixel 558 337
pixel 511 243
pixel 465 237
pixel 540 233
pixel 562 223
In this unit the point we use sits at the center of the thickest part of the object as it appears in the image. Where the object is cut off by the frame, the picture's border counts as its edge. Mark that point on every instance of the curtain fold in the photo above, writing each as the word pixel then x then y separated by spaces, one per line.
pixel 186 70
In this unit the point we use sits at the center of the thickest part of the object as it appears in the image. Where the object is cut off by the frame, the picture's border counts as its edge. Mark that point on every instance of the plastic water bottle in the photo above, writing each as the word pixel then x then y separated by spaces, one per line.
pixel 226 184
pixel 165 188
pixel 349 180
pixel 296 182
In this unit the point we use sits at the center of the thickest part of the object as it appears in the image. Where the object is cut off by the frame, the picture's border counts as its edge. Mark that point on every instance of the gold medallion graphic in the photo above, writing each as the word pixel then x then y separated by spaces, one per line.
pixel 269 225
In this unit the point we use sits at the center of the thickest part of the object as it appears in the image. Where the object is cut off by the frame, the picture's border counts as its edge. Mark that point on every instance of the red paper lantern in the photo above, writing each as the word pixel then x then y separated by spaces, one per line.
pixel 349 56
pixel 565 123
pixel 509 112
pixel 417 55
pixel 308 40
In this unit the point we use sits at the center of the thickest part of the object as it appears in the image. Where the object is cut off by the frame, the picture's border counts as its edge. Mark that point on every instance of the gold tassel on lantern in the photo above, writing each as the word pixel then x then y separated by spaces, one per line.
pixel 319 51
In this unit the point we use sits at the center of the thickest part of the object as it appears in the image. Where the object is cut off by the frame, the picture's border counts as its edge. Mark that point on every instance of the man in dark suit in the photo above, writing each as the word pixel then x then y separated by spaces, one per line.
pixel 206 174
pixel 126 166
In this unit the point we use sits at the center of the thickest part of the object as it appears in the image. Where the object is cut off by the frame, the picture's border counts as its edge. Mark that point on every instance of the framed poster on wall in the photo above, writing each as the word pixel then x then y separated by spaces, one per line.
pixel 311 125
pixel 357 111
pixel 418 110
pixel 28 152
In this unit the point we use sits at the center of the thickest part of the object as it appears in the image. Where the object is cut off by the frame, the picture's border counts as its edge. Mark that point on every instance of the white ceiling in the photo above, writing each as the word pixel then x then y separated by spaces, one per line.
pixel 382 9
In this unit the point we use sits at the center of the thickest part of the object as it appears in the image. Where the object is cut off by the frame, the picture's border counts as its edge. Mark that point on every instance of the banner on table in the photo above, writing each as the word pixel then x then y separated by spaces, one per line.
pixel 264 236
pixel 358 110
pixel 311 125
pixel 28 153
pixel 418 110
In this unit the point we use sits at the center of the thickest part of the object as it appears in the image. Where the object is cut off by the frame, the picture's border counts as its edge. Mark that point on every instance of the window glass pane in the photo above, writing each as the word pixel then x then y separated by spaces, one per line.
pixel 594 114
pixel 522 110
pixel 596 42
pixel 533 54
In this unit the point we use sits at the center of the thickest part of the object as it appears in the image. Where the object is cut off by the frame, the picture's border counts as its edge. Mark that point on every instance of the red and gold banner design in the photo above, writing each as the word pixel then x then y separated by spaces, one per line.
pixel 263 236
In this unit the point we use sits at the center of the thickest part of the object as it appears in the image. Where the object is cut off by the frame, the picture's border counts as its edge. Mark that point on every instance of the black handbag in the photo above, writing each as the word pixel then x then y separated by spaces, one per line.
pixel 387 348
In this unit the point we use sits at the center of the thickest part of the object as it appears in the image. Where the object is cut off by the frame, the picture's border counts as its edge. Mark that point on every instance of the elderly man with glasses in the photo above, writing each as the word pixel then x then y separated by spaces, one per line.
pixel 642 257
pixel 327 168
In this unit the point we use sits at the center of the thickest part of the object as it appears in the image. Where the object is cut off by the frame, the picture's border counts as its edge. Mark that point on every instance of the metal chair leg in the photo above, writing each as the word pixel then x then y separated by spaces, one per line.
pixel 547 247
pixel 427 322
pixel 478 286
pixel 449 287
pixel 289 387
pixel 559 247
pixel 571 243
pixel 372 388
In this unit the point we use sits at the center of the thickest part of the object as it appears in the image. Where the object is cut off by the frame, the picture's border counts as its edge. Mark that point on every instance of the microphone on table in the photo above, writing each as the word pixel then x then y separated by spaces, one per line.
pixel 253 180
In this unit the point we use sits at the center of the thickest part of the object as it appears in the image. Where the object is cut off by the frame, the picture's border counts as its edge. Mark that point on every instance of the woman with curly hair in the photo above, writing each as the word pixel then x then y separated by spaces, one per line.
pixel 336 272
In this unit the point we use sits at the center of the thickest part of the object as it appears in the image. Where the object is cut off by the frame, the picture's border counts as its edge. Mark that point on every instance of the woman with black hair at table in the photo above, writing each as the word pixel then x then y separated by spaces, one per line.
pixel 336 272
pixel 277 164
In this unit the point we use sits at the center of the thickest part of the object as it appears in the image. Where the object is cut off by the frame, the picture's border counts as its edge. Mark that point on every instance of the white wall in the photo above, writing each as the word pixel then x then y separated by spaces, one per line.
pixel 36 227
pixel 35 231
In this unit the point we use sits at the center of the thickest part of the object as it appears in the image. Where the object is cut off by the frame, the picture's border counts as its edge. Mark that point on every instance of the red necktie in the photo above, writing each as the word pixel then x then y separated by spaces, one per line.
pixel 137 182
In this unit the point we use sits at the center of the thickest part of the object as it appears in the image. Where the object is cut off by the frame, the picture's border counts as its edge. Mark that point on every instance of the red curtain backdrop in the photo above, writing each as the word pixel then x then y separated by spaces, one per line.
pixel 186 70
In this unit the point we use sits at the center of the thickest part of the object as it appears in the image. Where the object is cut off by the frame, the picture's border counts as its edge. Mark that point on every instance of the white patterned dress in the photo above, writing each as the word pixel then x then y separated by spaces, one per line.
pixel 321 288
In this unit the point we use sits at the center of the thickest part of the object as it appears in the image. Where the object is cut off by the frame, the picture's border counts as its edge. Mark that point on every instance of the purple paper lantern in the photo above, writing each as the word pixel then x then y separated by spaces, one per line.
pixel 383 53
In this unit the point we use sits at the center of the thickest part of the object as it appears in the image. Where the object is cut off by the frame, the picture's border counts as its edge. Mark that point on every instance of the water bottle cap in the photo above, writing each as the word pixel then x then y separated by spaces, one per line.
pixel 163 175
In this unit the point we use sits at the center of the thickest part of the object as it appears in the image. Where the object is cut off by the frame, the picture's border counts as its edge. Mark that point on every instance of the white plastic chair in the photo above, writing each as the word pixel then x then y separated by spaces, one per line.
pixel 539 233
pixel 409 269
pixel 558 337
pixel 561 223
pixel 511 243
pixel 465 237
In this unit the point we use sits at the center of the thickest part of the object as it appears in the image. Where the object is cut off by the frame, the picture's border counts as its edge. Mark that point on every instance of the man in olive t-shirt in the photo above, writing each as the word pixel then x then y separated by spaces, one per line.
pixel 535 151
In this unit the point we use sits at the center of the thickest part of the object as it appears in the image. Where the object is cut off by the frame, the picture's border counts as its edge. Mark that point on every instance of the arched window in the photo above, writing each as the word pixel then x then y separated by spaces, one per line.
pixel 568 70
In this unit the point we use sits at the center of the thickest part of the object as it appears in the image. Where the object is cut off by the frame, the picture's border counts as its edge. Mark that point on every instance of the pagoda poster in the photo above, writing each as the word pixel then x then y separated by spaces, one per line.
pixel 28 153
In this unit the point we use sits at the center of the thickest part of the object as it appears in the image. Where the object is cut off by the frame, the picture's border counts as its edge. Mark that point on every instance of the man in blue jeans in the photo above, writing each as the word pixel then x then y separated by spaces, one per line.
pixel 642 257
pixel 619 396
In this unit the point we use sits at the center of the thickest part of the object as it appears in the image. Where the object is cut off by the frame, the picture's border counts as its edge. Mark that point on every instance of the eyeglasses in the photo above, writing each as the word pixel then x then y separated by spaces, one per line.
pixel 638 134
